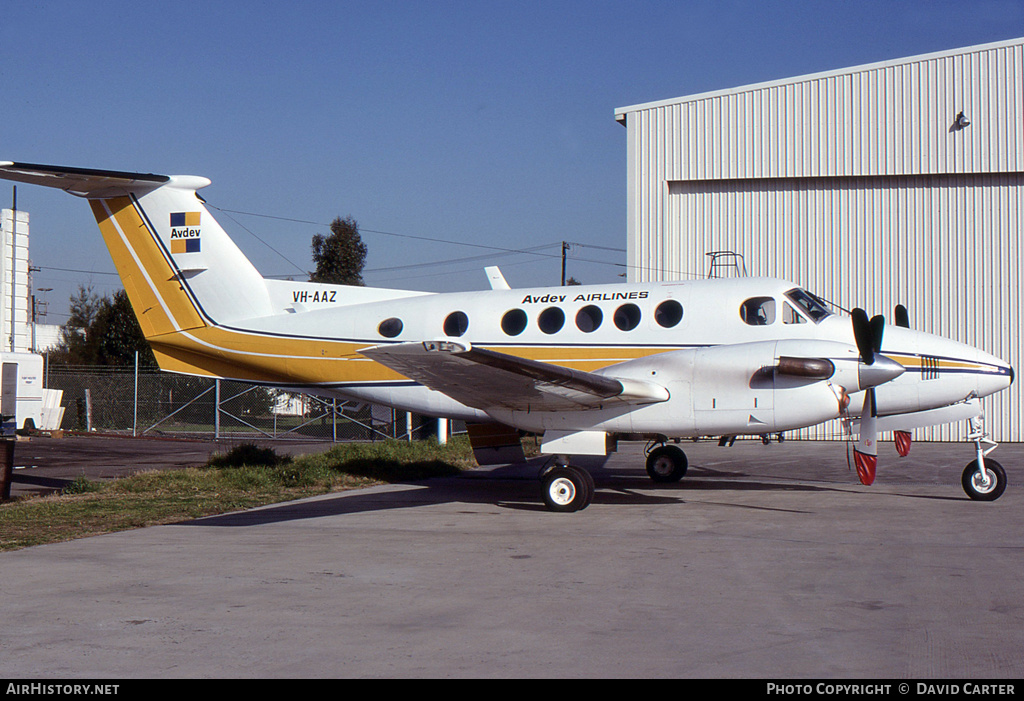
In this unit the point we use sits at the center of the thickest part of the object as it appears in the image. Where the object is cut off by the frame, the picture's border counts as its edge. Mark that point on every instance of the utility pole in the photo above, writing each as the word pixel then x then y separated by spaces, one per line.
pixel 13 263
pixel 565 247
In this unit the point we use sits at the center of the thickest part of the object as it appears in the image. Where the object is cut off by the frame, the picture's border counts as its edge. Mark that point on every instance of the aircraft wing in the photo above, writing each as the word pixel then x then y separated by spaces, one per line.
pixel 485 379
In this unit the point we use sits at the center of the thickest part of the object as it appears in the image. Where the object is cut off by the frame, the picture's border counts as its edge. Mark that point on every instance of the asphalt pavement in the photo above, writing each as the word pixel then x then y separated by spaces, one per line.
pixel 766 562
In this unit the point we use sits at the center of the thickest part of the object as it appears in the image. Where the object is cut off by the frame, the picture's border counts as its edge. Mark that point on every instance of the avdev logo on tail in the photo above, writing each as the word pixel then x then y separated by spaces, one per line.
pixel 185 232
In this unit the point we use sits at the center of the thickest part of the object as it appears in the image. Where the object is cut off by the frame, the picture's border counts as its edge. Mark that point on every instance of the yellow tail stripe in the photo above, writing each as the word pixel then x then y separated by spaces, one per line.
pixel 157 297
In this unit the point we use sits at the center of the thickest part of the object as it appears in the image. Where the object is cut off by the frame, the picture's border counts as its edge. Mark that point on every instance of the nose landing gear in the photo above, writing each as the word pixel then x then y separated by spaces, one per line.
pixel 982 479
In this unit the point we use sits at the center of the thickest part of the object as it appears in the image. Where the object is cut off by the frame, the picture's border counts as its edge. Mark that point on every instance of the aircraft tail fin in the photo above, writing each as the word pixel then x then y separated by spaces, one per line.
pixel 179 267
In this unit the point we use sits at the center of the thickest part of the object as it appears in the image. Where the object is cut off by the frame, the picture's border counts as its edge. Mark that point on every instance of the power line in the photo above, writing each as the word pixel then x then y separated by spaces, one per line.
pixel 378 231
pixel 72 270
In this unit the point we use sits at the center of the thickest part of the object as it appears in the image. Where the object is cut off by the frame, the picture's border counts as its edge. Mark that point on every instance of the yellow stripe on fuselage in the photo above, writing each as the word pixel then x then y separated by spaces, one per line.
pixel 935 364
pixel 184 342
pixel 261 358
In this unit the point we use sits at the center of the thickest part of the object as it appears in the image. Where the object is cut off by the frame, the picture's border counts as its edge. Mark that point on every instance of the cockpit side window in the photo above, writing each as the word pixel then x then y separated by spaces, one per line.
pixel 791 315
pixel 808 304
pixel 758 311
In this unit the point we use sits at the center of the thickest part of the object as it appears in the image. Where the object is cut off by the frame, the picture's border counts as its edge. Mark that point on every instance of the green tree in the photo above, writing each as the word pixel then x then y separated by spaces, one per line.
pixel 82 309
pixel 118 334
pixel 101 331
pixel 339 256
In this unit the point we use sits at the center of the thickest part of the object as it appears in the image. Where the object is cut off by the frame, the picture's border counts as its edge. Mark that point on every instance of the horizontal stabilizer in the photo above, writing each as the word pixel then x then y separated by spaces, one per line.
pixel 84 182
pixel 485 379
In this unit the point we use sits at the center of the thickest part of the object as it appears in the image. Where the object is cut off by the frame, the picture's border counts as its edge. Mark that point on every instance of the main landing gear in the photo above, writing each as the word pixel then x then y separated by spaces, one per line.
pixel 569 488
pixel 666 463
pixel 566 487
pixel 983 479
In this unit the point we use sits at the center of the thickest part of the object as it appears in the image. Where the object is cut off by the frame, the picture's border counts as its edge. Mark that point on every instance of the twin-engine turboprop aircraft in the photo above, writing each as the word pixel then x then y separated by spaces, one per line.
pixel 582 365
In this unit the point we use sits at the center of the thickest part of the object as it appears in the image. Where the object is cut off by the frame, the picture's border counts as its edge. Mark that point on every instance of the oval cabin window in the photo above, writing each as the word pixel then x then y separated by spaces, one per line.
pixel 513 322
pixel 668 313
pixel 389 328
pixel 589 318
pixel 551 320
pixel 456 324
pixel 627 317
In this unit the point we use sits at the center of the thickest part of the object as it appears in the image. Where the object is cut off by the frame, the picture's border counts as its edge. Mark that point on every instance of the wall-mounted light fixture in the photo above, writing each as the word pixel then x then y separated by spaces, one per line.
pixel 961 121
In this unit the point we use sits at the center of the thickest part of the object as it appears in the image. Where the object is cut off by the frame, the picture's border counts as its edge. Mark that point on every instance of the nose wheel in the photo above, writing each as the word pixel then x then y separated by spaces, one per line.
pixel 983 479
pixel 985 483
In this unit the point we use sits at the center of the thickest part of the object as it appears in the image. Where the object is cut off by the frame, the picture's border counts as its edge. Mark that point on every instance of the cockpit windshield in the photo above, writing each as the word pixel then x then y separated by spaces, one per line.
pixel 808 304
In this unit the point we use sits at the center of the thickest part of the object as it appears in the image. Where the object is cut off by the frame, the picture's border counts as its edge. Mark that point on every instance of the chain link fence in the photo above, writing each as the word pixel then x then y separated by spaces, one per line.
pixel 157 403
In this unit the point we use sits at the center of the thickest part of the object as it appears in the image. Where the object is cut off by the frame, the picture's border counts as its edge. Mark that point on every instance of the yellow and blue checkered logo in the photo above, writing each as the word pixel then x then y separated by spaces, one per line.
pixel 185 232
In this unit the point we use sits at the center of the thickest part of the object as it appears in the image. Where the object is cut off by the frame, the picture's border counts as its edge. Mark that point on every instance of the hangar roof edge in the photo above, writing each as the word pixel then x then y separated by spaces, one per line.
pixel 621 112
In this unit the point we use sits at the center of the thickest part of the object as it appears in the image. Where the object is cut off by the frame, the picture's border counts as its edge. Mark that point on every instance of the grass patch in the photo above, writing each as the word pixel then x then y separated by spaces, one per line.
pixel 242 478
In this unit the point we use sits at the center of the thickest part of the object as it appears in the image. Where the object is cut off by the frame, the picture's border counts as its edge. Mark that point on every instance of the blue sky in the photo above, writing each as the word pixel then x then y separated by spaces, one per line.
pixel 488 124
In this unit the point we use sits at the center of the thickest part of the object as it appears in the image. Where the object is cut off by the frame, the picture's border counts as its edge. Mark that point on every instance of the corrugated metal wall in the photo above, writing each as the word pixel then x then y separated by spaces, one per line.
pixel 856 184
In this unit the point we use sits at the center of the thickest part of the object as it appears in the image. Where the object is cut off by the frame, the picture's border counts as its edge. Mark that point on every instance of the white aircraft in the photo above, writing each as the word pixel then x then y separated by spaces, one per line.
pixel 582 365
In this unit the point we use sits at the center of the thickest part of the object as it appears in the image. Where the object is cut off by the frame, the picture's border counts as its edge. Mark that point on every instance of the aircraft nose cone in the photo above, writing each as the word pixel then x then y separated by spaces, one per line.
pixel 879 372
pixel 995 374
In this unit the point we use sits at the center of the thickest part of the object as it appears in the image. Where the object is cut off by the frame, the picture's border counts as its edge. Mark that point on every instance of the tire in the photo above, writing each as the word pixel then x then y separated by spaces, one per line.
pixel 567 489
pixel 666 464
pixel 973 485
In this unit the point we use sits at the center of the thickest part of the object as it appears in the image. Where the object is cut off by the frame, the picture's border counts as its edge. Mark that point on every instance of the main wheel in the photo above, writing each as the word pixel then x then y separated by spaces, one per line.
pixel 980 489
pixel 567 489
pixel 666 463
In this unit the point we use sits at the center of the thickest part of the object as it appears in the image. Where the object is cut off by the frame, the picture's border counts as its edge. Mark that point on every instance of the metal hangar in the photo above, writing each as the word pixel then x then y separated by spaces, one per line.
pixel 894 182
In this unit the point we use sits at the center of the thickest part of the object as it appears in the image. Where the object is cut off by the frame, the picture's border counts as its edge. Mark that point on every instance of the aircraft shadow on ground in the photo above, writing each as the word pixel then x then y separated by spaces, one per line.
pixel 504 488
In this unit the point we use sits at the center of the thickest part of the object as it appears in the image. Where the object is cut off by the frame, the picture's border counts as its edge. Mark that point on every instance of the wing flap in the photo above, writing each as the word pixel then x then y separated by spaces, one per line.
pixel 485 379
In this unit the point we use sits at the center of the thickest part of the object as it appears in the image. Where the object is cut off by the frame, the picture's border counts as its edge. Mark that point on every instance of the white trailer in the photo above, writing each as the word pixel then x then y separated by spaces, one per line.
pixel 23 397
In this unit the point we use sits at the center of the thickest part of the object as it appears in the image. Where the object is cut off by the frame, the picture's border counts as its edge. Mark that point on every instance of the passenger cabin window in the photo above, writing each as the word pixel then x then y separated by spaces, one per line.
pixel 627 317
pixel 758 311
pixel 668 313
pixel 588 319
pixel 389 328
pixel 456 324
pixel 551 320
pixel 808 304
pixel 513 322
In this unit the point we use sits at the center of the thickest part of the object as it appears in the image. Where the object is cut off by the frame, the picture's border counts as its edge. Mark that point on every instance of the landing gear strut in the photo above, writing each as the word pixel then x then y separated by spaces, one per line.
pixel 567 487
pixel 983 479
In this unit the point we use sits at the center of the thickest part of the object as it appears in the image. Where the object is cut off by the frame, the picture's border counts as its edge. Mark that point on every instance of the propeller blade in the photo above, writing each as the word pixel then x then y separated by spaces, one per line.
pixel 863 336
pixel 865 453
pixel 877 329
pixel 903 439
pixel 868 334
pixel 901 317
